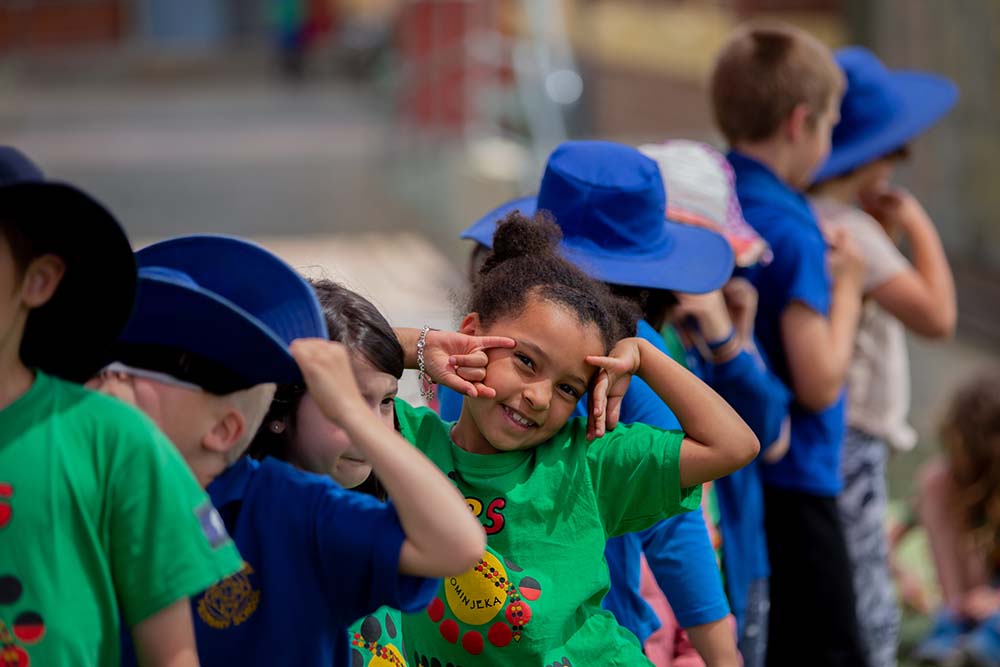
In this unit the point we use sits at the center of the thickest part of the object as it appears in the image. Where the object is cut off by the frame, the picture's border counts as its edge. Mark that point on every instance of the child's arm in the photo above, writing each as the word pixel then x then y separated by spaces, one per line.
pixel 453 359
pixel 715 642
pixel 166 639
pixel 442 537
pixel 717 441
pixel 921 297
pixel 818 349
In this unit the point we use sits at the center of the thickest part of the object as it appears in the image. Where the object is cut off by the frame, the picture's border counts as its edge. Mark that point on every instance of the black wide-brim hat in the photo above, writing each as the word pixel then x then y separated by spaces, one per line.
pixel 72 335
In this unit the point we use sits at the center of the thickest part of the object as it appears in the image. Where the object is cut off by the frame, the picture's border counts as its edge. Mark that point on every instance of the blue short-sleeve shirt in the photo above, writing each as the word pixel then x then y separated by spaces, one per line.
pixel 317 558
pixel 798 273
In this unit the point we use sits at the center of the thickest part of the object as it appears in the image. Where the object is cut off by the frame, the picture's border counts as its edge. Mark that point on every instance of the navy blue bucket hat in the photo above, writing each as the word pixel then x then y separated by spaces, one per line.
pixel 219 312
pixel 72 335
pixel 882 110
pixel 609 201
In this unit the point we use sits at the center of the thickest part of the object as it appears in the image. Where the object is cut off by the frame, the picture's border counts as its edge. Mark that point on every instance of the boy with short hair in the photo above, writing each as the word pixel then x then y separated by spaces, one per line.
pixel 776 93
pixel 217 319
pixel 100 520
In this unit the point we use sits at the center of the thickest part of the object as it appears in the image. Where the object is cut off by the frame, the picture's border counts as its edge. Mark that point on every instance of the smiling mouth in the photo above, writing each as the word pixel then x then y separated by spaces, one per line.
pixel 518 419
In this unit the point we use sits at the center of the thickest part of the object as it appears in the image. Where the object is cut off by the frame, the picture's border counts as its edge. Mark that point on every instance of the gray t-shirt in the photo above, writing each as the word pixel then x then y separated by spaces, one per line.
pixel 878 380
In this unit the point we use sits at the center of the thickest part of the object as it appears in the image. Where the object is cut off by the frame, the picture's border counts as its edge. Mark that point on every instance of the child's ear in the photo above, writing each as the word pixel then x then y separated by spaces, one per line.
pixel 798 122
pixel 226 432
pixel 470 325
pixel 41 279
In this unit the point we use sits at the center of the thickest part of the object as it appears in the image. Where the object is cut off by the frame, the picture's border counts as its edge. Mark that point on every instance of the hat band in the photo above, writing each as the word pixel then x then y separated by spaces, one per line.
pixel 185 367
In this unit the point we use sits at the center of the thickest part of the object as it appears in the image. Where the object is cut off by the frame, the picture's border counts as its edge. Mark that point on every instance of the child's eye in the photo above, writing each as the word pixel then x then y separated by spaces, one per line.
pixel 387 403
pixel 524 360
pixel 569 389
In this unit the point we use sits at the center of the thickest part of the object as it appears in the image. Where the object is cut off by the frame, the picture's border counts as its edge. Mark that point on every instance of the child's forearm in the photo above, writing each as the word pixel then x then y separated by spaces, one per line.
pixel 720 441
pixel 930 261
pixel 442 537
pixel 716 643
pixel 408 338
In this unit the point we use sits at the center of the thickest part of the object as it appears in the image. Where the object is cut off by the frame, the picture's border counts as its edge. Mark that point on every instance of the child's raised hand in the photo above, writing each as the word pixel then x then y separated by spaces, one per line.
pixel 844 258
pixel 709 311
pixel 458 361
pixel 896 209
pixel 326 368
pixel 609 387
pixel 741 302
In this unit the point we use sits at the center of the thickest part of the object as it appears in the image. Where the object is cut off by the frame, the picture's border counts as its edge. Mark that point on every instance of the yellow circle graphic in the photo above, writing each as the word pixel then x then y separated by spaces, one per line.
pixel 477 596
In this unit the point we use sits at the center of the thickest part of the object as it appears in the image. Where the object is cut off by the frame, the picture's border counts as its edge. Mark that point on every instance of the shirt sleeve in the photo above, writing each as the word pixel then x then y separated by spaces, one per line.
pixel 883 260
pixel 799 272
pixel 167 542
pixel 635 472
pixel 757 395
pixel 680 556
pixel 358 542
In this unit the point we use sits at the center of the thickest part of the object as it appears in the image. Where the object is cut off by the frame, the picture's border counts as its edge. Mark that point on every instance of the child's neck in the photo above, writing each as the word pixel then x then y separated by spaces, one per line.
pixel 777 157
pixel 467 436
pixel 15 377
pixel 842 190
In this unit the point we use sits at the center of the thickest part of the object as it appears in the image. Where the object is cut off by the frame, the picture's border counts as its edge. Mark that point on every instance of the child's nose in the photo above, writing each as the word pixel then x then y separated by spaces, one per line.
pixel 538 395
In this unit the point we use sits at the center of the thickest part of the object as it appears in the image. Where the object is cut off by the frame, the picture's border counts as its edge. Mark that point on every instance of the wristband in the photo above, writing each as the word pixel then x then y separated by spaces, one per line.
pixel 715 346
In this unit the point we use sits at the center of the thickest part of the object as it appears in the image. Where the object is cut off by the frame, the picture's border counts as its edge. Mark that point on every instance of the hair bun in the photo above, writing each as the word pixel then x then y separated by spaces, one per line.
pixel 520 236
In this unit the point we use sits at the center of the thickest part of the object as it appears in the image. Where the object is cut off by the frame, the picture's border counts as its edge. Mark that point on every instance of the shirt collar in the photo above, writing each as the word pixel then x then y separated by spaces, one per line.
pixel 746 165
pixel 232 484
pixel 756 182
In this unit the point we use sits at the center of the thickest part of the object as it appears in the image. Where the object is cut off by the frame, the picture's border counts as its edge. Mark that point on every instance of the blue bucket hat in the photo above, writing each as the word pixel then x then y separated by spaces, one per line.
pixel 609 201
pixel 72 335
pixel 882 110
pixel 219 312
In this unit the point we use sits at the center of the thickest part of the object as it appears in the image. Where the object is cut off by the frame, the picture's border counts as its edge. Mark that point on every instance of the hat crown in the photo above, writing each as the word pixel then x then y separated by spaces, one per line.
pixel 243 273
pixel 605 195
pixel 15 167
pixel 871 100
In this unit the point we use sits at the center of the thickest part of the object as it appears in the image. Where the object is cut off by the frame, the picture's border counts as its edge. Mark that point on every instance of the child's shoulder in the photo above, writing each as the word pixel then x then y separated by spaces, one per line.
pixel 421 425
pixel 77 408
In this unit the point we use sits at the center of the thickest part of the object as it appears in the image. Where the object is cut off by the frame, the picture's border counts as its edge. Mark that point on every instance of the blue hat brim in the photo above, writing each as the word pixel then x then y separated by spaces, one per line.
pixel 187 317
pixel 924 99
pixel 695 261
pixel 246 275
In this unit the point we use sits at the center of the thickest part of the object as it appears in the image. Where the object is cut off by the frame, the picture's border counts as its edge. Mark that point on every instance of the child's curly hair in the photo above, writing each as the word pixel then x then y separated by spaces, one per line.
pixel 525 263
pixel 970 435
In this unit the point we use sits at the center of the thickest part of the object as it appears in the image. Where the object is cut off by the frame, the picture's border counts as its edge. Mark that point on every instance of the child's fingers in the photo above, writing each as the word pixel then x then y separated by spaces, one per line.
pixel 457 383
pixel 471 374
pixel 485 392
pixel 614 412
pixel 486 342
pixel 473 359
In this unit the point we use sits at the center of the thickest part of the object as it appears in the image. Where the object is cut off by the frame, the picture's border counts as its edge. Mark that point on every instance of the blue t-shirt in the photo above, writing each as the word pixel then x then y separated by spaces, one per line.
pixel 798 273
pixel 678 550
pixel 761 399
pixel 317 558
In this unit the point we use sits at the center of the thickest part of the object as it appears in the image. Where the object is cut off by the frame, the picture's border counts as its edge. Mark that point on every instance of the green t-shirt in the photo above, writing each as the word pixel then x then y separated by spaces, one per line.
pixel 377 640
pixel 534 600
pixel 100 520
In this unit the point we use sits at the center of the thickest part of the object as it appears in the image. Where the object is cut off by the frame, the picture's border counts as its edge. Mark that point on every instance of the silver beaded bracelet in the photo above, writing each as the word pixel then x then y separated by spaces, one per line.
pixel 426 383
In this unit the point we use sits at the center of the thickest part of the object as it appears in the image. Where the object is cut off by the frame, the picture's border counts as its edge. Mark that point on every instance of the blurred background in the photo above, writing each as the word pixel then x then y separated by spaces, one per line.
pixel 358 137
